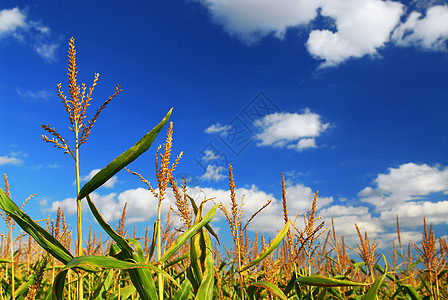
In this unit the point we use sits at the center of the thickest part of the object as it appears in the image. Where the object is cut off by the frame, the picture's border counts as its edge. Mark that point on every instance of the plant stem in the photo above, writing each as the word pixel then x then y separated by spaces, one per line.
pixel 159 252
pixel 11 244
pixel 78 211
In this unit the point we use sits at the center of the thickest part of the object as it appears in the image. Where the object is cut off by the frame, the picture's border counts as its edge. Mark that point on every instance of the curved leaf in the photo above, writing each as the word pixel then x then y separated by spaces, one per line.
pixel 208 280
pixel 326 282
pixel 373 290
pixel 275 290
pixel 43 238
pixel 269 248
pixel 184 237
pixel 121 242
pixel 123 160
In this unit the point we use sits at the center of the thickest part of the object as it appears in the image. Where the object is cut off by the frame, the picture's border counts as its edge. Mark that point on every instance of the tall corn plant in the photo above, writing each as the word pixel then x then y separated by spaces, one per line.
pixel 125 254
pixel 76 107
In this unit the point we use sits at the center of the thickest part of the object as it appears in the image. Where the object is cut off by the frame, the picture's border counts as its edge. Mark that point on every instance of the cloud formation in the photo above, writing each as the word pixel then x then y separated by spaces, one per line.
pixel 362 27
pixel 429 32
pixel 214 173
pixel 10 20
pixel 8 160
pixel 217 128
pixel 14 22
pixel 357 28
pixel 251 20
pixel 406 189
pixel 291 130
pixel 409 182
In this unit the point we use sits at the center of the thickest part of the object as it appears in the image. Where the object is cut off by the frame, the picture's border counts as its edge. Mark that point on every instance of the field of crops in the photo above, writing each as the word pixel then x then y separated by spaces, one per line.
pixel 307 259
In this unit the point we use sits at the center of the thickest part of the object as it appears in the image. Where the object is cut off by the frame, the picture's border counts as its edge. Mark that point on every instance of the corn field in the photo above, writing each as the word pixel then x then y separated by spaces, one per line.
pixel 306 259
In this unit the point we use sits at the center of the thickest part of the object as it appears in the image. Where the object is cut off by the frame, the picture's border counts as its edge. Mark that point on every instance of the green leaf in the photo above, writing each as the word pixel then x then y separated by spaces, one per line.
pixel 184 237
pixel 269 248
pixel 372 293
pixel 125 293
pixel 207 226
pixel 121 242
pixel 102 262
pixel 153 242
pixel 184 291
pixel 326 282
pixel 58 285
pixel 275 290
pixel 43 238
pixel 208 280
pixel 411 292
pixel 123 160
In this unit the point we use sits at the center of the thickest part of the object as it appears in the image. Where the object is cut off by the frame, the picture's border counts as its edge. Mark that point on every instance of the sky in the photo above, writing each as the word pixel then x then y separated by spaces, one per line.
pixel 345 97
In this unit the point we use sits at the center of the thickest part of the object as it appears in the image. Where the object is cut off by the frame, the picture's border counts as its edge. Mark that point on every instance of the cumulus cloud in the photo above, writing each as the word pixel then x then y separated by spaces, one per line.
pixel 292 130
pixel 359 27
pixel 251 20
pixel 214 173
pixel 14 22
pixel 7 160
pixel 209 155
pixel 408 182
pixel 10 20
pixel 429 32
pixel 421 180
pixel 362 27
pixel 108 184
pixel 217 128
pixel 411 214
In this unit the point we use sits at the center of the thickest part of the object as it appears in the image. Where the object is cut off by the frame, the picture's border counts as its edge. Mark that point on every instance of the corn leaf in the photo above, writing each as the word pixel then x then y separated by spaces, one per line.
pixel 269 248
pixel 97 262
pixel 275 290
pixel 184 237
pixel 207 226
pixel 123 160
pixel 121 242
pixel 43 238
pixel 207 285
pixel 58 285
pixel 125 293
pixel 326 282
pixel 372 293
pixel 197 249
pixel 411 292
pixel 184 292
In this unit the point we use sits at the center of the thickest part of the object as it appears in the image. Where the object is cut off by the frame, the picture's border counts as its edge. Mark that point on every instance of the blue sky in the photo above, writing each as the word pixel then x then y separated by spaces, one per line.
pixel 345 97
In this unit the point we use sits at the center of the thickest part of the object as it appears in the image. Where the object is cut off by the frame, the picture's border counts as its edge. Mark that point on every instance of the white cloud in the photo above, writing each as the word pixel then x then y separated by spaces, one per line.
pixel 363 26
pixel 42 94
pixel 15 22
pixel 420 179
pixel 408 182
pixel 429 32
pixel 360 27
pixel 47 50
pixel 304 144
pixel 214 173
pixel 290 130
pixel 10 20
pixel 217 128
pixel 108 184
pixel 412 214
pixel 251 20
pixel 6 160
pixel 209 155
